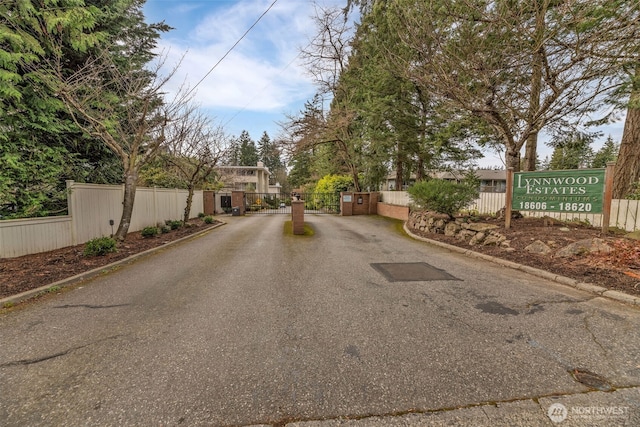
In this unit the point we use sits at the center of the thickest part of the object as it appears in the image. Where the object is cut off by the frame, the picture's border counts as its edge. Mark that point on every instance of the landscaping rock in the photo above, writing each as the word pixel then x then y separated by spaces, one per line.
pixel 582 247
pixel 478 238
pixel 479 226
pixel 494 239
pixel 451 229
pixel 465 235
pixel 538 247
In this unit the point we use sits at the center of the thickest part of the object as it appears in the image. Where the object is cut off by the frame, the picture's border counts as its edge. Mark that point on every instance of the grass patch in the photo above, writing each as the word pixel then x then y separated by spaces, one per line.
pixel 288 229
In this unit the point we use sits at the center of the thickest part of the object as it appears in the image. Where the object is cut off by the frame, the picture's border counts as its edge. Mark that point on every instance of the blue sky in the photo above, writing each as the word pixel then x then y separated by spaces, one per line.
pixel 261 80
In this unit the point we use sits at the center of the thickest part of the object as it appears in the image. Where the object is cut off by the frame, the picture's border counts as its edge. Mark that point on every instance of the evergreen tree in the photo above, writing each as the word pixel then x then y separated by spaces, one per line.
pixel 39 134
pixel 608 153
pixel 232 154
pixel 248 153
pixel 300 173
pixel 572 152
pixel 270 156
pixel 35 154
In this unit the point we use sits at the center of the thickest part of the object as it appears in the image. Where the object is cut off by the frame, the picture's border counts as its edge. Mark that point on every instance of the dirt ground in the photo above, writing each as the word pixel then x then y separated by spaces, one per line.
pixel 617 270
pixel 33 271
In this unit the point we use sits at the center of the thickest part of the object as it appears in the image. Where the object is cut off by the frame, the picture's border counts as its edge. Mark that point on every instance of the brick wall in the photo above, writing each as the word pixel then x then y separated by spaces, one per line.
pixel 393 211
pixel 297 216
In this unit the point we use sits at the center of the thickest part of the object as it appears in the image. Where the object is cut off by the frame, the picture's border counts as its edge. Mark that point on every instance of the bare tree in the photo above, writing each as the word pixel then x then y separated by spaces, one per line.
pixel 125 108
pixel 518 66
pixel 325 57
pixel 193 149
pixel 326 60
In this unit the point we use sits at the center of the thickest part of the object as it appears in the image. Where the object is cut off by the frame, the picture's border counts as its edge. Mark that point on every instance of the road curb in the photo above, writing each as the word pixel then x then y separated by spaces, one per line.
pixel 587 287
pixel 14 299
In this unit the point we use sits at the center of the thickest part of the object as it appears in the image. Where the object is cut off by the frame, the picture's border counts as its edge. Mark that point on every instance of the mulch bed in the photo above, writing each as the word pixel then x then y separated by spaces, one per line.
pixel 618 270
pixel 33 271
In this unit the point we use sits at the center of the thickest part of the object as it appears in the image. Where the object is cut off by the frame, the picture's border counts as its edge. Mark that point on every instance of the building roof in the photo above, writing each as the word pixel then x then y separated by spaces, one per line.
pixel 482 174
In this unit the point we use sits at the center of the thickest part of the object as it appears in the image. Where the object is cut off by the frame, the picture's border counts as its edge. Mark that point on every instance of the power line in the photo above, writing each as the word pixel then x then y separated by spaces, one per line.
pixel 232 47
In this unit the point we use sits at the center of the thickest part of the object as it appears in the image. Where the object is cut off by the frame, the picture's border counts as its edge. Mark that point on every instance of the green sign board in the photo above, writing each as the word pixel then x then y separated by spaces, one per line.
pixel 575 191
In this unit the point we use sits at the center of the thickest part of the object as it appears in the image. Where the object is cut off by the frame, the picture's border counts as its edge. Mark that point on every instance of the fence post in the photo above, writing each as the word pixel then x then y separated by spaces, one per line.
pixel 71 206
pixel 155 206
pixel 508 197
pixel 608 192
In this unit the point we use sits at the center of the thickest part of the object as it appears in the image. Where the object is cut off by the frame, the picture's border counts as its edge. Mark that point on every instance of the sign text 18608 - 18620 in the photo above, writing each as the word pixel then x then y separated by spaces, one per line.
pixel 579 191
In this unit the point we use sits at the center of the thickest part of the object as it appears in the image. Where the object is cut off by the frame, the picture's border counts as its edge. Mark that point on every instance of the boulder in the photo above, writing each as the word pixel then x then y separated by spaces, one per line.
pixel 494 239
pixel 585 246
pixel 538 247
pixel 465 234
pixel 478 238
pixel 451 229
pixel 440 224
pixel 479 226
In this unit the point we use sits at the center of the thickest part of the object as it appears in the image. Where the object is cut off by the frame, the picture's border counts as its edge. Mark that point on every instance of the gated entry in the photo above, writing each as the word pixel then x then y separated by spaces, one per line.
pixel 314 203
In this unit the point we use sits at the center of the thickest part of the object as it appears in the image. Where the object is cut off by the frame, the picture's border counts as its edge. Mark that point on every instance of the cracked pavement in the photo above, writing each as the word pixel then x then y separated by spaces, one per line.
pixel 246 325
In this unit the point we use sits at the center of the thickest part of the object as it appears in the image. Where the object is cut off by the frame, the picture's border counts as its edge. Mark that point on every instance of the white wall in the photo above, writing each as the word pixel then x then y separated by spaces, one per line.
pixel 625 214
pixel 91 206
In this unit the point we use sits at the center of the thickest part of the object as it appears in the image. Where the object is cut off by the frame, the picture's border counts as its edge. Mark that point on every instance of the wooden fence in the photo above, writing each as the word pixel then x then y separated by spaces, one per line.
pixel 625 214
pixel 91 208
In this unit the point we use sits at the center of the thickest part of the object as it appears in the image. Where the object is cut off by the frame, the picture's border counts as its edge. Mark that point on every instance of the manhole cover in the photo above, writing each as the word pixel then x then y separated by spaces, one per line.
pixel 411 272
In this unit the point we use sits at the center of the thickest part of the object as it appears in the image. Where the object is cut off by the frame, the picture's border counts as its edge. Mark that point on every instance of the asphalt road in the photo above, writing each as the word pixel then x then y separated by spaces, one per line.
pixel 250 325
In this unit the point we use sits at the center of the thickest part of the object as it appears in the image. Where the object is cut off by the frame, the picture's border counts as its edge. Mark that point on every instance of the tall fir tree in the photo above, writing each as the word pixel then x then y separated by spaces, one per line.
pixel 248 153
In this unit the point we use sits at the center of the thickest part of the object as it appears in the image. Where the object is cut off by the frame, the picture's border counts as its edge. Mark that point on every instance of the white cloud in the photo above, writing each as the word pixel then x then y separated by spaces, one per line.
pixel 261 73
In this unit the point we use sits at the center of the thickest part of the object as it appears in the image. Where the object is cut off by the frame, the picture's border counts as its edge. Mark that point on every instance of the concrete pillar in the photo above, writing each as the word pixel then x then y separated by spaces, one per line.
pixel 297 216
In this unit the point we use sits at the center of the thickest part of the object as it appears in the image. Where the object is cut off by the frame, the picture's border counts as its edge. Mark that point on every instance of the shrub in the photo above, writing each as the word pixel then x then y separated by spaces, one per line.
pixel 100 246
pixel 201 215
pixel 333 184
pixel 150 231
pixel 174 224
pixel 208 219
pixel 444 196
pixel 165 229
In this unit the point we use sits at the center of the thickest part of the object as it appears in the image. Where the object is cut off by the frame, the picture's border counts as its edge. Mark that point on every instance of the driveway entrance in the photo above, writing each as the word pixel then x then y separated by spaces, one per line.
pixel 269 203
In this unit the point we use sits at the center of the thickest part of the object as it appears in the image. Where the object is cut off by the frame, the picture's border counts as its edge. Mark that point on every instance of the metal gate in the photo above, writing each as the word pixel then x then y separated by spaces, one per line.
pixel 314 203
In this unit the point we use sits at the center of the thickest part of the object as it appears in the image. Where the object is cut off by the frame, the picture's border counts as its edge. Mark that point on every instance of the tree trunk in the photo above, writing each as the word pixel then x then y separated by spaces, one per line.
pixel 531 146
pixel 187 209
pixel 130 183
pixel 628 164
pixel 531 154
pixel 420 169
pixel 356 179
pixel 512 159
pixel 399 175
